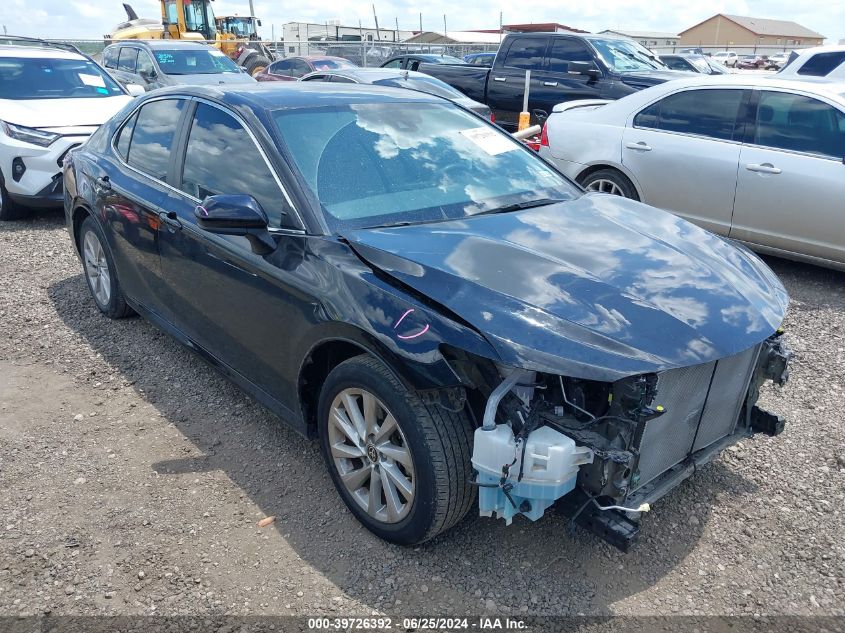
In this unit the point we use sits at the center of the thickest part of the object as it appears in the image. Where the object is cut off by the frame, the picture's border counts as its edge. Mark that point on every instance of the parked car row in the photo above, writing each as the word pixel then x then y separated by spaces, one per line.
pixel 481 328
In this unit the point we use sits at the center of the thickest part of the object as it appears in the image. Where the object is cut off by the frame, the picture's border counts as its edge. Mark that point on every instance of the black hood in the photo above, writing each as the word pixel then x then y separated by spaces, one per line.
pixel 599 287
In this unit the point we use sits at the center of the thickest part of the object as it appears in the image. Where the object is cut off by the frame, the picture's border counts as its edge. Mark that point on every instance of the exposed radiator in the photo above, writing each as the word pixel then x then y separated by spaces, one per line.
pixel 702 404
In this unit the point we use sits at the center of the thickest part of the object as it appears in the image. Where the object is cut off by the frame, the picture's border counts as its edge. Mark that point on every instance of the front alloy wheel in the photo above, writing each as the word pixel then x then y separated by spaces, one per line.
pixel 401 466
pixel 371 455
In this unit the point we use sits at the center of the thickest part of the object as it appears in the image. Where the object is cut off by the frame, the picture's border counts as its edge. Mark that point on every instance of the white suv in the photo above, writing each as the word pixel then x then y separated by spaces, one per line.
pixel 728 58
pixel 51 100
pixel 819 61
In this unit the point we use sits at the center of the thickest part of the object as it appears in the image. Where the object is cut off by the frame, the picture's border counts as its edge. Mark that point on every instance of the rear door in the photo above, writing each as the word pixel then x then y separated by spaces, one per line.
pixel 683 151
pixel 230 300
pixel 506 83
pixel 129 192
pixel 554 83
pixel 791 182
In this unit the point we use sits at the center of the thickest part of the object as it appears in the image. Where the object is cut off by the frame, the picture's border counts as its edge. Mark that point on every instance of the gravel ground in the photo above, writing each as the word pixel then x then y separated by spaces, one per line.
pixel 132 478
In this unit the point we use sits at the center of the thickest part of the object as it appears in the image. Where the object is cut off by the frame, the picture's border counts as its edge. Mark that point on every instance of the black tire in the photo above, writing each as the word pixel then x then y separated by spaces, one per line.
pixel 626 187
pixel 9 209
pixel 256 64
pixel 116 306
pixel 440 443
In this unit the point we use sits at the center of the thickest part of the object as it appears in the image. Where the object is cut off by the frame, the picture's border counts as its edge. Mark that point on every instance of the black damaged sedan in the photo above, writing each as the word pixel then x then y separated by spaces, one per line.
pixel 452 319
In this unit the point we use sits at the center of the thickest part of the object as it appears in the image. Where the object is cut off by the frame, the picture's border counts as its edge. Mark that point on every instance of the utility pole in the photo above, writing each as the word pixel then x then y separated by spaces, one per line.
pixel 375 17
pixel 420 22
pixel 396 35
pixel 444 26
pixel 251 9
pixel 501 27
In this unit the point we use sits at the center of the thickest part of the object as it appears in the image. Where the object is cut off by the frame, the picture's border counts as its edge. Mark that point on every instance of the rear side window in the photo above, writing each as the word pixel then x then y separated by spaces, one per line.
pixel 526 52
pixel 396 63
pixel 281 68
pixel 126 59
pixel 822 64
pixel 564 50
pixel 124 137
pixel 110 57
pixel 152 138
pixel 800 124
pixel 145 64
pixel 215 141
pixel 710 113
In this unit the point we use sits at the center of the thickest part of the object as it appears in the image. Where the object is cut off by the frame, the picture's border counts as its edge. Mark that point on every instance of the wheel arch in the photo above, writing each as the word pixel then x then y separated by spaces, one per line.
pixel 593 168
pixel 322 357
pixel 80 212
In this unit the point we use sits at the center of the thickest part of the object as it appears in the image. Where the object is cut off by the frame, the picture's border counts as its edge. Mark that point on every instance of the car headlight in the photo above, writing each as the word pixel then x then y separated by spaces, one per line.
pixel 29 135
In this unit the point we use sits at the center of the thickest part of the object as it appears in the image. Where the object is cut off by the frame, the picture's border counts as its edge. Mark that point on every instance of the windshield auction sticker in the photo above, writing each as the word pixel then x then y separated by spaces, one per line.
pixel 489 140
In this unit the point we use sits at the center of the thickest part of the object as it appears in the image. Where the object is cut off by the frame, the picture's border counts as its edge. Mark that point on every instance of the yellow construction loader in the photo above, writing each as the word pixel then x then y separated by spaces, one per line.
pixel 194 20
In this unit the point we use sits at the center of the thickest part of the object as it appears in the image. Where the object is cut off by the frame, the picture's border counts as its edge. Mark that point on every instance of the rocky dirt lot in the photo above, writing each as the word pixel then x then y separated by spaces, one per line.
pixel 132 478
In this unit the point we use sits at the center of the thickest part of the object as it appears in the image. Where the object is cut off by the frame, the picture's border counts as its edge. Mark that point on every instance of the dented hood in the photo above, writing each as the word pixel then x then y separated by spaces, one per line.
pixel 599 287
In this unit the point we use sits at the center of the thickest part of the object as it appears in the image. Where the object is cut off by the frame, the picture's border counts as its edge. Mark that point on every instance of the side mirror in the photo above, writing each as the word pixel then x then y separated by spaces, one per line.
pixel 259 22
pixel 236 214
pixel 540 115
pixel 134 90
pixel 583 68
pixel 149 75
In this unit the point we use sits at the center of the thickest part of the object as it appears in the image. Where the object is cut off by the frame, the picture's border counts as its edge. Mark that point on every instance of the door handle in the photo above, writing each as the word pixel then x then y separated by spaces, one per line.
pixel 500 78
pixel 549 83
pixel 171 219
pixel 640 146
pixel 102 185
pixel 765 168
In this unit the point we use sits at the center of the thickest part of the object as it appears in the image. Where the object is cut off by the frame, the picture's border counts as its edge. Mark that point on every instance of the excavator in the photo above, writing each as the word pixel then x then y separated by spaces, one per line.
pixel 194 20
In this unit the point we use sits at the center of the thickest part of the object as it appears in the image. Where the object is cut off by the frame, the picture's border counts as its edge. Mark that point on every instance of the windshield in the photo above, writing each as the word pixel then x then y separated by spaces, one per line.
pixel 241 27
pixel 201 61
pixel 44 78
pixel 626 56
pixel 377 164
pixel 700 63
pixel 431 86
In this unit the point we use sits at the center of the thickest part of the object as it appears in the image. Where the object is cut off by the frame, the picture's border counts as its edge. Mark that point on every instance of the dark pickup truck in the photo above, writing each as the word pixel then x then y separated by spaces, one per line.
pixel 563 66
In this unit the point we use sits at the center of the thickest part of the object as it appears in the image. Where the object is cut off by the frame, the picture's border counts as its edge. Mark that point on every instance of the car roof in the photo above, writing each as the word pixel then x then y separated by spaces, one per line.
pixel 165 44
pixel 374 74
pixel 316 58
pixel 281 95
pixel 820 86
pixel 37 52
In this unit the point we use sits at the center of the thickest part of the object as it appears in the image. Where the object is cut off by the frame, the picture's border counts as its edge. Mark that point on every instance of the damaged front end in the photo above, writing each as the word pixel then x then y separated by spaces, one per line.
pixel 608 450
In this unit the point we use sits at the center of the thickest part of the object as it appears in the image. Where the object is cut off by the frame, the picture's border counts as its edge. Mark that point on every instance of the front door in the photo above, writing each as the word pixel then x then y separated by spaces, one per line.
pixel 554 83
pixel 791 183
pixel 234 303
pixel 683 152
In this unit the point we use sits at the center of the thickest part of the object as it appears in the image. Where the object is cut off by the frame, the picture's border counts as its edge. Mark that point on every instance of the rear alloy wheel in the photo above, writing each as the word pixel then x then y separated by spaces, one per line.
pixel 609 181
pixel 100 272
pixel 402 467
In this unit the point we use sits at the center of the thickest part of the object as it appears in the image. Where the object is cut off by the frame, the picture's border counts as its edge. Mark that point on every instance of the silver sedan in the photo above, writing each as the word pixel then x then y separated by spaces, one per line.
pixel 756 159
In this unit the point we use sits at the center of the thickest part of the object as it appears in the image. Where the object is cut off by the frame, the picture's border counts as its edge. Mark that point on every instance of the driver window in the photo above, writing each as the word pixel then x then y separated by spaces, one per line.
pixel 216 137
pixel 145 64
pixel 126 59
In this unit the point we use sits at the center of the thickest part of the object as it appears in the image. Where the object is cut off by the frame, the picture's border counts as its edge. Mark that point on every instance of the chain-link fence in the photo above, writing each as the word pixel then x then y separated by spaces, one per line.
pixel 361 53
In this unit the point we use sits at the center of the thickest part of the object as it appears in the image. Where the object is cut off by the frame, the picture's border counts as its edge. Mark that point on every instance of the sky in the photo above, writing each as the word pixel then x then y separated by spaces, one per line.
pixel 83 19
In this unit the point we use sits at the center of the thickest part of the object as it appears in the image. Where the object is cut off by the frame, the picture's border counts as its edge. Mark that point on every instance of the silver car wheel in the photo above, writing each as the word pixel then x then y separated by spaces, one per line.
pixel 605 186
pixel 371 455
pixel 97 268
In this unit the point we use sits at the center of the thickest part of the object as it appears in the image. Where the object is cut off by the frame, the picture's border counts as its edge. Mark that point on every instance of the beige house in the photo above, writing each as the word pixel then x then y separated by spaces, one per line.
pixel 737 30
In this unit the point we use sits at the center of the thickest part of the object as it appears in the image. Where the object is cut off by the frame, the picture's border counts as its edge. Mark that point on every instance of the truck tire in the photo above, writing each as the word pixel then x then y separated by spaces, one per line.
pixel 401 466
pixel 256 64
